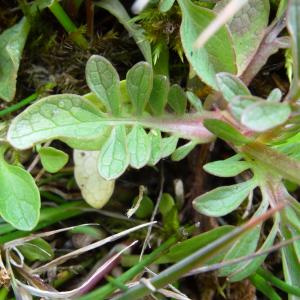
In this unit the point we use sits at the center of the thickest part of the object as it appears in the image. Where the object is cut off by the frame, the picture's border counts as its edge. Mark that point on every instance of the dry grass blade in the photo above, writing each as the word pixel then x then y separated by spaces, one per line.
pixel 225 15
pixel 90 247
pixel 23 240
pixel 63 295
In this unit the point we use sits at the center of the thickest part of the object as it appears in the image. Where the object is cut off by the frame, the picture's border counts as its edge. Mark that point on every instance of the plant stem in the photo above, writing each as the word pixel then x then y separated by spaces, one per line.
pixel 278 283
pixel 19 105
pixel 3 293
pixel 264 287
pixel 109 288
pixel 68 24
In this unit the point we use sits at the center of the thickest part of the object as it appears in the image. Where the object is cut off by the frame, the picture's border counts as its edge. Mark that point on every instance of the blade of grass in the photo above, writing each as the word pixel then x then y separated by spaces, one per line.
pixel 264 287
pixel 176 271
pixel 109 288
pixel 278 282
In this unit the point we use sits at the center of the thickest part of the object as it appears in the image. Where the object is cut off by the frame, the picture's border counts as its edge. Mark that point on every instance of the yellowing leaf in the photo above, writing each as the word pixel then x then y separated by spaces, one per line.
pixel 95 190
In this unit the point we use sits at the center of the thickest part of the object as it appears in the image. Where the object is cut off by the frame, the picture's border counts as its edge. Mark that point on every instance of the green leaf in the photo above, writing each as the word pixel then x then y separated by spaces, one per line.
pixel 159 94
pixel 114 156
pixel 293 24
pixel 188 247
pixel 171 221
pixel 239 103
pixel 103 79
pixel 12 42
pixel 225 132
pixel 262 116
pixel 245 245
pixel 223 200
pixel 19 197
pixel 165 5
pixel 145 208
pixel 274 161
pixel 290 262
pixel 139 82
pixel 156 147
pixel 69 118
pixel 53 159
pixel 195 101
pixel 275 95
pixel 250 267
pixel 166 204
pixel 139 147
pixel 118 10
pixel 217 55
pixel 177 99
pixel 37 249
pixel 168 145
pixel 181 152
pixel 247 28
pixel 227 168
pixel 231 86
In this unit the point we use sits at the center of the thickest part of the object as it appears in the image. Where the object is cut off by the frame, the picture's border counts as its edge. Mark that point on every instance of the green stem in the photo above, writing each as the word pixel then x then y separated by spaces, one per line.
pixel 264 287
pixel 3 293
pixel 68 24
pixel 18 105
pixel 109 288
pixel 278 283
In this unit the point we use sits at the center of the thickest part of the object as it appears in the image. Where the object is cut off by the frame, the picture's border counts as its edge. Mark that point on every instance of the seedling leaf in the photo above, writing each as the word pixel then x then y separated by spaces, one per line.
pixel 227 168
pixel 217 55
pixel 262 116
pixel 223 200
pixel 19 197
pixel 103 79
pixel 53 159
pixel 114 156
pixel 159 95
pixel 231 86
pixel 139 82
pixel 139 147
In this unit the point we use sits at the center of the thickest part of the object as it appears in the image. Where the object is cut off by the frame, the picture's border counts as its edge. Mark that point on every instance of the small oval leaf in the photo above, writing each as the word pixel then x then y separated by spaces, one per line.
pixel 227 168
pixel 177 99
pixel 139 82
pixel 139 147
pixel 53 159
pixel 181 152
pixel 262 116
pixel 223 200
pixel 19 197
pixel 168 145
pixel 156 146
pixel 114 156
pixel 159 95
pixel 231 86
pixel 103 79
pixel 95 190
